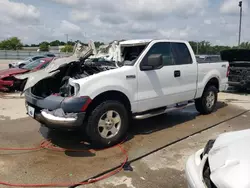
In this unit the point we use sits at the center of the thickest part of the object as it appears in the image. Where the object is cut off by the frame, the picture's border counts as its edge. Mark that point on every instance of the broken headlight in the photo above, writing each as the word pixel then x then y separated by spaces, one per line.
pixel 77 88
pixel 206 170
pixel 208 147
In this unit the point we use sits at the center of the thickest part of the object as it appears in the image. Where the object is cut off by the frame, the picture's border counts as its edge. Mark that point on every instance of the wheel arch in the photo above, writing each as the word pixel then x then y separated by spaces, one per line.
pixel 213 82
pixel 109 95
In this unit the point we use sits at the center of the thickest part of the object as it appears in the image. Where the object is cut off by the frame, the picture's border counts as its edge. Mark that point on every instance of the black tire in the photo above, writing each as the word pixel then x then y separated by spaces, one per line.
pixel 21 65
pixel 94 117
pixel 201 103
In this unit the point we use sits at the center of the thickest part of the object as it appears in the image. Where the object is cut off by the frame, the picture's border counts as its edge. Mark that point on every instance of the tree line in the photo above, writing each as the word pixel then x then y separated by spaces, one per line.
pixel 14 43
pixel 202 47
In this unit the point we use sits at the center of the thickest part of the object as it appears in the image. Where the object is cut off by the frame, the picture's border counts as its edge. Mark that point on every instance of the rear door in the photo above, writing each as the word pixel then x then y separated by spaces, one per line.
pixel 174 82
pixel 187 66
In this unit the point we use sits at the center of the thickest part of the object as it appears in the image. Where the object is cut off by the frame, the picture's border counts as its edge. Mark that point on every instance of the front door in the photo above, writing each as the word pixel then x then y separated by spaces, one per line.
pixel 174 82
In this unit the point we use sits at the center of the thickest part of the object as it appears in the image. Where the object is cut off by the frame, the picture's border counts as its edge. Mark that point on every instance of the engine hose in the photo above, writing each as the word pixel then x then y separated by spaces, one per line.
pixel 46 144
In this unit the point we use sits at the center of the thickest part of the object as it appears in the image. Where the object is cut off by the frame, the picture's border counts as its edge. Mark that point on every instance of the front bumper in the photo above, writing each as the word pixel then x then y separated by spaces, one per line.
pixel 45 110
pixel 223 87
pixel 194 170
pixel 240 84
pixel 55 122
pixel 13 65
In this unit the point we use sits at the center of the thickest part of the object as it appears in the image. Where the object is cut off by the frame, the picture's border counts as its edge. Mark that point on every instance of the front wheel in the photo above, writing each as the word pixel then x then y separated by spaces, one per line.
pixel 207 103
pixel 107 124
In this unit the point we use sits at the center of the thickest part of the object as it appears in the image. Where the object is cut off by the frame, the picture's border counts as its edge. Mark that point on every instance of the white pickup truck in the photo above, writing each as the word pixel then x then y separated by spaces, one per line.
pixel 162 77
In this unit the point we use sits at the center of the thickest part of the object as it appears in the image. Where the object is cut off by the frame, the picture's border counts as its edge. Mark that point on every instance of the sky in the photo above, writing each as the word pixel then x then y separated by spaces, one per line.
pixel 34 21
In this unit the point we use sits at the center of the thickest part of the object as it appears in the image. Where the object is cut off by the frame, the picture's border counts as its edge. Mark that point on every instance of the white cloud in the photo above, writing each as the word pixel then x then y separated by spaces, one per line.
pixel 208 22
pixel 231 7
pixel 18 11
pixel 177 33
pixel 137 9
pixel 186 7
pixel 123 19
pixel 68 2
pixel 77 15
pixel 67 27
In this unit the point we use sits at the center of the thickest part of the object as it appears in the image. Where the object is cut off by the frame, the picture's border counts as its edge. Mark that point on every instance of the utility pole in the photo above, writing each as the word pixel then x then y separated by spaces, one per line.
pixel 67 38
pixel 197 48
pixel 240 5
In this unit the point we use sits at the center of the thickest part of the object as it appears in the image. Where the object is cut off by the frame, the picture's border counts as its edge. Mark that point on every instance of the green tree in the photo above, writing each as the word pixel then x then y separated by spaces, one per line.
pixel 55 43
pixel 245 45
pixel 67 48
pixel 62 43
pixel 12 43
pixel 44 46
pixel 193 45
pixel 71 43
pixel 34 45
pixel 98 44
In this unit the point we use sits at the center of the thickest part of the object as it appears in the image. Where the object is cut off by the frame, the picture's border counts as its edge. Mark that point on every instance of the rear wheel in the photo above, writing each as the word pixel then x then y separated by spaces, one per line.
pixel 21 65
pixel 207 103
pixel 107 124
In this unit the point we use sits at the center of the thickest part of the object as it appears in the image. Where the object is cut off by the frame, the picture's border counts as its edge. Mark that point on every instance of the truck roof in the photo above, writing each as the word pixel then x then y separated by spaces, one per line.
pixel 145 41
pixel 136 41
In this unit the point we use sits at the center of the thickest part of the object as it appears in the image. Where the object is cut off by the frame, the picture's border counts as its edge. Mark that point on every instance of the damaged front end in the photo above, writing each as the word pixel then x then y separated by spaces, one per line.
pixel 56 111
pixel 50 95
pixel 239 61
pixel 10 83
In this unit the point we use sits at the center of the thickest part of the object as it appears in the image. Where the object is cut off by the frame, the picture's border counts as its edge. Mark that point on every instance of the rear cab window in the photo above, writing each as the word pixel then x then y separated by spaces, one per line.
pixel 181 53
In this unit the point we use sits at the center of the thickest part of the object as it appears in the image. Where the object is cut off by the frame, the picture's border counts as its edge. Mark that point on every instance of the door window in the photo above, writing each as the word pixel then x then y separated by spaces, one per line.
pixel 162 48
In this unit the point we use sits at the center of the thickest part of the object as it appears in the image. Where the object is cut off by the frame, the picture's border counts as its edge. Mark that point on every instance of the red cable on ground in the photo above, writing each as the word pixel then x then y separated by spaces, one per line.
pixel 48 145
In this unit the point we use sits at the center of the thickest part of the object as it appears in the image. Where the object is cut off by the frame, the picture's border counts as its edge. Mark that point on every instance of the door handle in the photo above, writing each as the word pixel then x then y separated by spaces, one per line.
pixel 177 73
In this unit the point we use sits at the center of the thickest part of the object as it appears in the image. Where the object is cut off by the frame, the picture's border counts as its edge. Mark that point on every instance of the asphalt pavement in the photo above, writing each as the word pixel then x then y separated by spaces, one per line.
pixel 164 168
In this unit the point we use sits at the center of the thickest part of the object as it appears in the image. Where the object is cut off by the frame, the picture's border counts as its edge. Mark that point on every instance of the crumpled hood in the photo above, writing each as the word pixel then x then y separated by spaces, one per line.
pixel 13 71
pixel 229 160
pixel 235 55
pixel 54 66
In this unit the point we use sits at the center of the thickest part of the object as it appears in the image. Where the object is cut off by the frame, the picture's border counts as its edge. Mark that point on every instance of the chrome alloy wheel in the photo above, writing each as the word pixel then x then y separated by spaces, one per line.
pixel 210 99
pixel 109 124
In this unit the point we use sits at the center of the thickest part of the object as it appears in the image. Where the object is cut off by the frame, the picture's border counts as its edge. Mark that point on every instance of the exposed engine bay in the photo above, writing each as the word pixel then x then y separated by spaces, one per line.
pixel 58 84
pixel 239 73
pixel 54 80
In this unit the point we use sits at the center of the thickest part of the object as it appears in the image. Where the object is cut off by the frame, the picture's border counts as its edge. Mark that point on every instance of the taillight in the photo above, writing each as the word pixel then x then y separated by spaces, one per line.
pixel 228 70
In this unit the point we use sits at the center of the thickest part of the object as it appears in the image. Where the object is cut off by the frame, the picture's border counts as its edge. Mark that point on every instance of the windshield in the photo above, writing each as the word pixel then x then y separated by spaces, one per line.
pixel 27 59
pixel 131 53
pixel 33 64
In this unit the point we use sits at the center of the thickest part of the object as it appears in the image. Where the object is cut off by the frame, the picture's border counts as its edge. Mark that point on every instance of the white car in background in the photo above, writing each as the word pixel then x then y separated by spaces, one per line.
pixel 20 64
pixel 223 163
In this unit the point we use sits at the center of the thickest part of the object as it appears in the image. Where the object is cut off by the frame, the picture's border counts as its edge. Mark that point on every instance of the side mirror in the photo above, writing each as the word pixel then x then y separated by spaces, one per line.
pixel 152 62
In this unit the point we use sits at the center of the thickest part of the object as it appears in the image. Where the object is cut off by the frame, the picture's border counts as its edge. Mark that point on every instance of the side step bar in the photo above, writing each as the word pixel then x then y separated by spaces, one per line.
pixel 163 111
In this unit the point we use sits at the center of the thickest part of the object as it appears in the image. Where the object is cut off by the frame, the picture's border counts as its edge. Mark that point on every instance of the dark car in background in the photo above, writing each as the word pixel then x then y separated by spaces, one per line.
pixel 239 72
pixel 9 83
pixel 208 58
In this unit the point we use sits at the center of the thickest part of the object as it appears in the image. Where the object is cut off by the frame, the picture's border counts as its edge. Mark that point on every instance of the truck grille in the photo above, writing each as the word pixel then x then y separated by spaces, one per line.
pixel 239 74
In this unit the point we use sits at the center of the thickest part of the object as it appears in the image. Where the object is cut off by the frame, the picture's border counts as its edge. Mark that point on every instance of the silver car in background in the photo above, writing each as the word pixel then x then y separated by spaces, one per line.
pixel 20 64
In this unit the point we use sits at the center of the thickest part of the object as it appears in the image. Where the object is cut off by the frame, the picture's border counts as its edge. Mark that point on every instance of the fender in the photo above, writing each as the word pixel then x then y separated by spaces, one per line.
pixel 111 80
pixel 202 83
